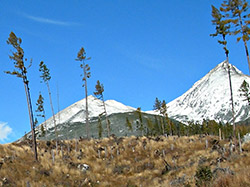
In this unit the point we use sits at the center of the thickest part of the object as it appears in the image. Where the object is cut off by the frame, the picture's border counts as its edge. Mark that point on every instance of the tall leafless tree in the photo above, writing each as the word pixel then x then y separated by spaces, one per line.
pixel 81 56
pixel 46 78
pixel 20 71
pixel 223 29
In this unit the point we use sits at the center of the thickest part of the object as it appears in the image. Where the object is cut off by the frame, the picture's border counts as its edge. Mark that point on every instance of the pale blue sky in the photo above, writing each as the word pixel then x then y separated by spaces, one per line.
pixel 140 50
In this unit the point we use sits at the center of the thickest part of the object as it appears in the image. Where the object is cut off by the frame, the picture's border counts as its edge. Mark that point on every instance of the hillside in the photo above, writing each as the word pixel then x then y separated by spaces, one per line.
pixel 127 161
pixel 118 123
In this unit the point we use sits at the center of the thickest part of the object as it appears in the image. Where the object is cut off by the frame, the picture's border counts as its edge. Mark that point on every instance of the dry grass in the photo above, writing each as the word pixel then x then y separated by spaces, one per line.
pixel 124 162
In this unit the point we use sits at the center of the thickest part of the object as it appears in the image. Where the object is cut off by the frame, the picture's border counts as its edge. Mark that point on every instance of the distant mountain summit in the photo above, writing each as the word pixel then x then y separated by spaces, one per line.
pixel 76 112
pixel 209 98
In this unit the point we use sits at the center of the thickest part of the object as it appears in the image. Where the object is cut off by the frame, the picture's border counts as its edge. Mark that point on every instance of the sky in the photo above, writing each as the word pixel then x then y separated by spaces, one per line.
pixel 139 50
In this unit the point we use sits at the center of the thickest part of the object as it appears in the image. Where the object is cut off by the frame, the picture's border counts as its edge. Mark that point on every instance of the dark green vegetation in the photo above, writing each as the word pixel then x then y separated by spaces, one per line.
pixel 128 124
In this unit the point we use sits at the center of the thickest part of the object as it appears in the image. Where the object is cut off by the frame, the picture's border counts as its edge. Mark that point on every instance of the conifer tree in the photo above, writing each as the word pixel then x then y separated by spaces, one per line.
pixel 163 111
pixel 129 124
pixel 236 12
pixel 40 109
pixel 157 104
pixel 100 127
pixel 150 127
pixel 223 29
pixel 20 71
pixel 245 92
pixel 43 130
pixel 81 56
pixel 141 127
pixel 158 107
pixel 156 126
pixel 99 94
pixel 46 78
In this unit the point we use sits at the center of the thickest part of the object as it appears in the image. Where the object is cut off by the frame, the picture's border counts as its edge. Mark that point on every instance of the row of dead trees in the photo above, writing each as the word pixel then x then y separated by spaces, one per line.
pixel 21 70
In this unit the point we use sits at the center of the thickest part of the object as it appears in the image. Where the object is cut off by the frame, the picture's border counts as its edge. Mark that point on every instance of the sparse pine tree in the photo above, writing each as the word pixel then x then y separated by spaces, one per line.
pixel 46 78
pixel 141 127
pixel 42 131
pixel 157 104
pixel 150 127
pixel 237 13
pixel 81 56
pixel 100 130
pixel 163 111
pixel 40 108
pixel 99 94
pixel 223 29
pixel 20 71
pixel 157 128
pixel 245 92
pixel 129 124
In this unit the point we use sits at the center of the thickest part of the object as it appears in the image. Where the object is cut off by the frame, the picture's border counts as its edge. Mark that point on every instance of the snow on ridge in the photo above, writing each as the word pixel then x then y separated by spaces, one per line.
pixel 115 107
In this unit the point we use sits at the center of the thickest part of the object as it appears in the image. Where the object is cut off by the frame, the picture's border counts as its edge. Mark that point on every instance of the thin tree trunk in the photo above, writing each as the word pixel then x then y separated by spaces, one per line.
pixel 239 143
pixel 248 59
pixel 162 126
pixel 52 109
pixel 231 93
pixel 170 126
pixel 245 43
pixel 231 90
pixel 58 105
pixel 219 134
pixel 44 117
pixel 106 116
pixel 86 109
pixel 26 86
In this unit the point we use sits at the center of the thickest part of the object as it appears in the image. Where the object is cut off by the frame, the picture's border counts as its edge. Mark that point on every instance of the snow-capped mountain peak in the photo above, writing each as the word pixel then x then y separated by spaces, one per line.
pixel 76 112
pixel 209 98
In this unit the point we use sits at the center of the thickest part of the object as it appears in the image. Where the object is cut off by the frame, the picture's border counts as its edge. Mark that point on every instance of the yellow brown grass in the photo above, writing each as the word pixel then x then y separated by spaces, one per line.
pixel 128 161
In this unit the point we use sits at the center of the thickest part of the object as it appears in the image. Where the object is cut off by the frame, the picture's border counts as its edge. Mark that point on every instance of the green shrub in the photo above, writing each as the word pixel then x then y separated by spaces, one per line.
pixel 203 176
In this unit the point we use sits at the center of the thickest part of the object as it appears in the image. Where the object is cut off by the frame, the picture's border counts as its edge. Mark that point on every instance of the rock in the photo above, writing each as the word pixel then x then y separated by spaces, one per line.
pixel 246 138
pixel 83 167
pixel 5 180
pixel 1 164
